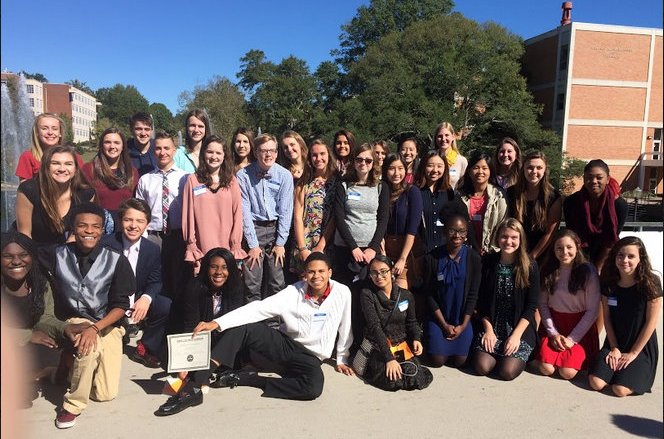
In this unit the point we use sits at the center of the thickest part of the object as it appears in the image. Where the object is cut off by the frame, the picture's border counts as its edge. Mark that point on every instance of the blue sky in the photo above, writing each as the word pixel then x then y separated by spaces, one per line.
pixel 166 47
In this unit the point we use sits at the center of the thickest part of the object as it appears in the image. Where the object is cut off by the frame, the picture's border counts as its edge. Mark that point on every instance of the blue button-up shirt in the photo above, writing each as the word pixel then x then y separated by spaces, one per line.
pixel 266 197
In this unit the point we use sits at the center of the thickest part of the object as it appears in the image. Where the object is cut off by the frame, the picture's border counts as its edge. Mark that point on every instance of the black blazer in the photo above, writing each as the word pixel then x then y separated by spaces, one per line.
pixel 197 302
pixel 148 267
pixel 472 284
pixel 526 300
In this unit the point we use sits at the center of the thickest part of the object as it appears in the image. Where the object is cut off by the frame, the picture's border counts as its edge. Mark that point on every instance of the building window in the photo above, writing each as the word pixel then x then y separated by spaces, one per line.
pixel 32 102
pixel 560 102
pixel 564 55
pixel 30 88
pixel 657 143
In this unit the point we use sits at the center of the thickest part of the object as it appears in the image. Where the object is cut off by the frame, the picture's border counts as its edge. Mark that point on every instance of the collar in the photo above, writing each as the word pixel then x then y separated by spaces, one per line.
pixel 321 299
pixel 126 245
pixel 79 255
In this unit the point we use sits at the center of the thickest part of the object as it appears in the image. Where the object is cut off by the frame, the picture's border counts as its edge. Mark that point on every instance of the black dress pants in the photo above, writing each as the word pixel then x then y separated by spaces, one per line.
pixel 300 370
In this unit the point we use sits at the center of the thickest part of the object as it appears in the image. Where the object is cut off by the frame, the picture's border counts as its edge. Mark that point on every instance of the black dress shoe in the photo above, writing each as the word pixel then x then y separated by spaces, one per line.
pixel 227 378
pixel 177 403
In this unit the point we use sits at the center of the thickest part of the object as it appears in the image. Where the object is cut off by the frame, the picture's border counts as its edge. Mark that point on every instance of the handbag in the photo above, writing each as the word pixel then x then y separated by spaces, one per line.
pixel 401 351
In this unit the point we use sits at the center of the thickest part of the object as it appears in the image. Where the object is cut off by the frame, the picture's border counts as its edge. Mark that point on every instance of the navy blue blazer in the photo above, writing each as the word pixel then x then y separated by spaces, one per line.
pixel 148 267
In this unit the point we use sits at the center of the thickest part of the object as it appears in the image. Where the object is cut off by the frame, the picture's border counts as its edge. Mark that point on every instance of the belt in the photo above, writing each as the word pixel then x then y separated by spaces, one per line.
pixel 265 223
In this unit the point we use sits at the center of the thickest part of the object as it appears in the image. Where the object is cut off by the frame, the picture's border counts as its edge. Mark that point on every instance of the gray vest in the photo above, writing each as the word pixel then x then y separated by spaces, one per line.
pixel 86 296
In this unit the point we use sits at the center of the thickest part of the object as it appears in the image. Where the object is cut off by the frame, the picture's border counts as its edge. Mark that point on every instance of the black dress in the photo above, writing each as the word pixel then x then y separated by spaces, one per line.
pixel 627 311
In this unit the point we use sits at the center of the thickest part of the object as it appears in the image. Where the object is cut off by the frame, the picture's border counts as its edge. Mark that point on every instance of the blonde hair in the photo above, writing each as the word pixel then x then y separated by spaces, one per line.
pixel 446 126
pixel 522 262
pixel 35 146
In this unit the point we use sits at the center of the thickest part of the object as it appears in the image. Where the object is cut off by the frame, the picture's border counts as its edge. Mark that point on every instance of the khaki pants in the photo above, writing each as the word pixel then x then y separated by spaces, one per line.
pixel 97 375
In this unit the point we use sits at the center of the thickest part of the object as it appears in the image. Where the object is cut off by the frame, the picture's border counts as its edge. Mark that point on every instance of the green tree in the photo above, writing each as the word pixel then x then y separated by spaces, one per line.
pixel 119 103
pixel 380 18
pixel 447 68
pixel 68 135
pixel 81 86
pixel 163 118
pixel 281 96
pixel 223 101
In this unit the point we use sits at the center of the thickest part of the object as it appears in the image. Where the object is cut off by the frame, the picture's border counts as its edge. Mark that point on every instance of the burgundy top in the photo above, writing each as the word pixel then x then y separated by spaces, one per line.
pixel 28 165
pixel 108 198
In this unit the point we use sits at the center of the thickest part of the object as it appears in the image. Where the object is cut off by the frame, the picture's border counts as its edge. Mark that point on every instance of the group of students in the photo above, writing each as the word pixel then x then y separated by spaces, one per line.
pixel 430 253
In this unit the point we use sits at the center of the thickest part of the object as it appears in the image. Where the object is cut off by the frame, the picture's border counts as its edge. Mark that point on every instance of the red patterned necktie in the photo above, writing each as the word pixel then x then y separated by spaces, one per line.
pixel 165 202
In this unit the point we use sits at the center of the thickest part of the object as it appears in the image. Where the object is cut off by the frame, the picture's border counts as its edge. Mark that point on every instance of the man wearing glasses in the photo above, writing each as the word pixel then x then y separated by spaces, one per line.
pixel 267 211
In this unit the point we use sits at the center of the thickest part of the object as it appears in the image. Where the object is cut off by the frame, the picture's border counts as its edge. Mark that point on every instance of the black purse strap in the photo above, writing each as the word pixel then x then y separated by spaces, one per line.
pixel 396 304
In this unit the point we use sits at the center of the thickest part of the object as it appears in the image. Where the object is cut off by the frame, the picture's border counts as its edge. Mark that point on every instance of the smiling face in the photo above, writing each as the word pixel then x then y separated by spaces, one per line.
pixel 164 149
pixel 534 170
pixel 112 147
pixel 444 139
pixel 142 133
pixel 134 223
pixel 595 181
pixel 62 167
pixel 627 260
pixel 88 228
pixel 48 132
pixel 291 149
pixel 565 250
pixel 506 155
pixel 408 152
pixel 380 154
pixel 195 129
pixel 214 156
pixel 508 240
pixel 381 275
pixel 395 173
pixel 218 272
pixel 319 158
pixel 266 154
pixel 363 164
pixel 317 275
pixel 342 147
pixel 242 146
pixel 16 262
pixel 434 169
pixel 456 231
pixel 480 172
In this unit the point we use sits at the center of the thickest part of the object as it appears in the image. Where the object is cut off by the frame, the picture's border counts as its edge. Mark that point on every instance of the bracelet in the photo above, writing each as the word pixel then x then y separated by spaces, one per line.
pixel 93 326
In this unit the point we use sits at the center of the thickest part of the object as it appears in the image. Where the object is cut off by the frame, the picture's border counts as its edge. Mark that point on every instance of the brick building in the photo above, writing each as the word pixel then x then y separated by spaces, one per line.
pixel 76 104
pixel 601 88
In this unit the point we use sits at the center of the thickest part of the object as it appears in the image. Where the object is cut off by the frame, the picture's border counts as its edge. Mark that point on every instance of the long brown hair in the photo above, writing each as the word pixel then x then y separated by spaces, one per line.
pixel 102 170
pixel 308 173
pixel 395 191
pixel 647 282
pixel 226 170
pixel 48 189
pixel 201 115
pixel 420 179
pixel 581 270
pixel 544 197
pixel 373 178
pixel 513 173
pixel 522 262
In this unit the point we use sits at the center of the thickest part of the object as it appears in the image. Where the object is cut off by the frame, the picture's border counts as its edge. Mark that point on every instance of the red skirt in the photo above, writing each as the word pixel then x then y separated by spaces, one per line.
pixel 581 354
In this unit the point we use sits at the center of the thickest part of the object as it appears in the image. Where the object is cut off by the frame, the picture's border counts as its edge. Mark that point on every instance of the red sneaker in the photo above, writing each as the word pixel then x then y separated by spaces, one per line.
pixel 65 419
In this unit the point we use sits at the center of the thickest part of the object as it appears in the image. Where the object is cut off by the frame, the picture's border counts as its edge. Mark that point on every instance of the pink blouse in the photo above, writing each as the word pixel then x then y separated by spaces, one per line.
pixel 211 220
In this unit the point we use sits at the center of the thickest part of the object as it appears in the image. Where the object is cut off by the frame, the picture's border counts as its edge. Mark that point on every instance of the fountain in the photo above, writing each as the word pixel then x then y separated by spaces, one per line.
pixel 17 120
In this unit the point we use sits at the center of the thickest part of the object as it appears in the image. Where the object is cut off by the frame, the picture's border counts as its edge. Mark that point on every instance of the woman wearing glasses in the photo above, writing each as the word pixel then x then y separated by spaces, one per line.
pixel 361 211
pixel 452 278
pixel 389 312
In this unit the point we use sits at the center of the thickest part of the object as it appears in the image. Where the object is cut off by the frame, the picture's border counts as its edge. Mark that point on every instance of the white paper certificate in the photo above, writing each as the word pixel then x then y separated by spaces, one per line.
pixel 186 353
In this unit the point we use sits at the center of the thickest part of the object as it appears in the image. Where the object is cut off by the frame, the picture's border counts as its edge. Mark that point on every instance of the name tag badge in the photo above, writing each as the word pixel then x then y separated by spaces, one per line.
pixel 440 276
pixel 612 301
pixel 319 317
pixel 354 196
pixel 198 190
pixel 477 217
pixel 453 172
pixel 274 185
pixel 403 305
